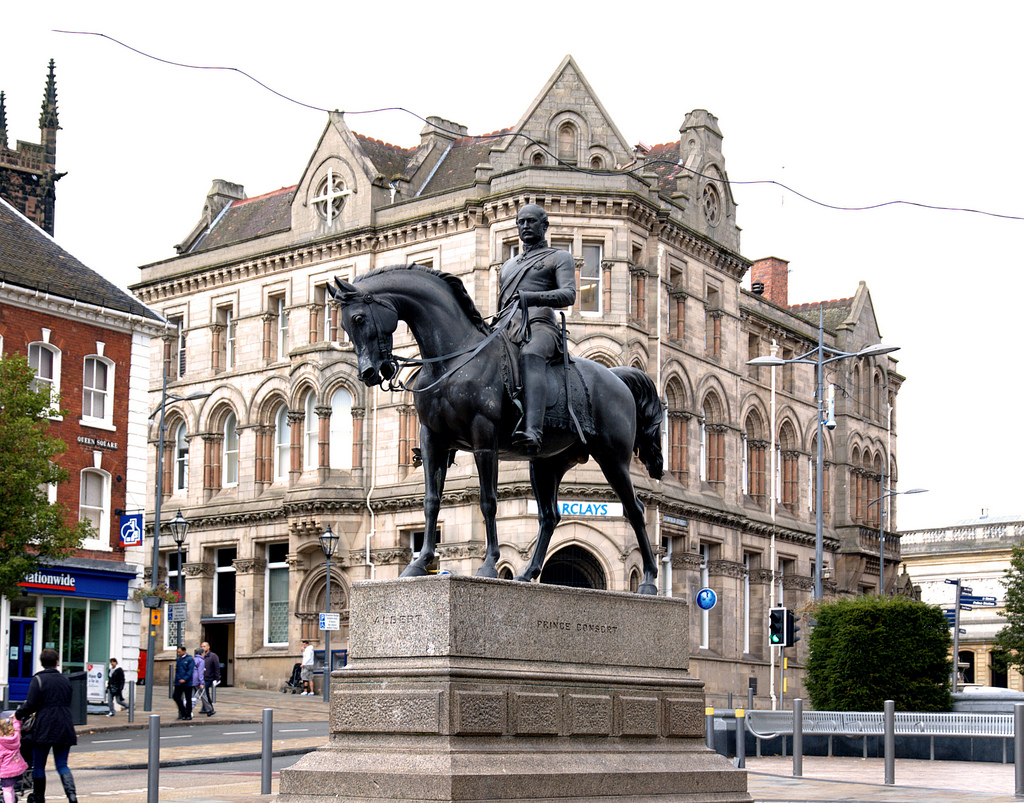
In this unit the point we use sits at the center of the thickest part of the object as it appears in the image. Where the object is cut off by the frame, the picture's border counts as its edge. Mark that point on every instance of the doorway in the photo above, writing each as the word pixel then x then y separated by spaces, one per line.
pixel 221 636
pixel 576 567
pixel 21 658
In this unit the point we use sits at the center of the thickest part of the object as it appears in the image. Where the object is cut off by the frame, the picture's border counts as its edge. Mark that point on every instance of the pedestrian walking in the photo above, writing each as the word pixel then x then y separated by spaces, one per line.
pixel 306 669
pixel 198 669
pixel 211 677
pixel 12 765
pixel 183 667
pixel 49 698
pixel 115 687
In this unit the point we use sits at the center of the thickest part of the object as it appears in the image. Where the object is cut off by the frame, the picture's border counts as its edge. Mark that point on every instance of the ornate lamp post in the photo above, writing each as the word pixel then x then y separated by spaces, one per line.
pixel 821 356
pixel 179 529
pixel 328 543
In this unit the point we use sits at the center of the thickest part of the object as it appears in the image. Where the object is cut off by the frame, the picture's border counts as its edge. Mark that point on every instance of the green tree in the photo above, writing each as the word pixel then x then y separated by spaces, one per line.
pixel 866 650
pixel 1011 638
pixel 32 531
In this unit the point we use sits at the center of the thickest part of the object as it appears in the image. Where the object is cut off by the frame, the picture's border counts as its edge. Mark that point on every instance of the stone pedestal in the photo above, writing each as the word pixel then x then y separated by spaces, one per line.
pixel 466 689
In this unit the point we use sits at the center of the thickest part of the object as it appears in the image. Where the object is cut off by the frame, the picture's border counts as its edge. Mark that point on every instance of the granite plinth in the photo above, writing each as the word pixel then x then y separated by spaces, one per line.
pixel 468 689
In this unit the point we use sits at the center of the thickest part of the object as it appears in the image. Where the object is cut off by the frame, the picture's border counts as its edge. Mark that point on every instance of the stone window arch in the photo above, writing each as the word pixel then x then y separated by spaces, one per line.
pixel 568 142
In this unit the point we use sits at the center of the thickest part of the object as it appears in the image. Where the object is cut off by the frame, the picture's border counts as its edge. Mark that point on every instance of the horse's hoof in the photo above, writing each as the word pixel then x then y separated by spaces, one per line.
pixel 648 588
pixel 487 571
pixel 521 578
pixel 412 570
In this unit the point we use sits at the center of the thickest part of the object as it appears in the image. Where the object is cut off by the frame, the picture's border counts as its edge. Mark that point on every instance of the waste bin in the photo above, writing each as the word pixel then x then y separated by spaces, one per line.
pixel 79 697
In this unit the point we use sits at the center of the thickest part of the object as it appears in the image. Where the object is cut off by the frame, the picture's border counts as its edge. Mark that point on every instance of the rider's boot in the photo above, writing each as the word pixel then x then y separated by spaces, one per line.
pixel 534 375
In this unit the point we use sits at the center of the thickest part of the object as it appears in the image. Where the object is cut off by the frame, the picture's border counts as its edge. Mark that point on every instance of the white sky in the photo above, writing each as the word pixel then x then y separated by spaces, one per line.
pixel 850 105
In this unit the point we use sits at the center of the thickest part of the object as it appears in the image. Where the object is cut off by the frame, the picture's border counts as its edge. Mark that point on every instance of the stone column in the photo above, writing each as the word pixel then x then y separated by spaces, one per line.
pixel 249 604
pixel 199 596
pixel 323 461
pixel 296 418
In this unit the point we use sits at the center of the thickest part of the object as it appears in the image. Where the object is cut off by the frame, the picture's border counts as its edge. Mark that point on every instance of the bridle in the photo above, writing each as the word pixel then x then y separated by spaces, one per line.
pixel 396 363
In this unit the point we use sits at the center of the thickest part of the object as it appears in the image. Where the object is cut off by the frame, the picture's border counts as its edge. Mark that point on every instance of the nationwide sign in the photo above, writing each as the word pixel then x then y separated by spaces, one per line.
pixel 571 507
pixel 47 581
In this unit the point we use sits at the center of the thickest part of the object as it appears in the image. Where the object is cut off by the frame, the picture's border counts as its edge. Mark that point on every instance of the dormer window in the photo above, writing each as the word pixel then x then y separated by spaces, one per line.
pixel 330 196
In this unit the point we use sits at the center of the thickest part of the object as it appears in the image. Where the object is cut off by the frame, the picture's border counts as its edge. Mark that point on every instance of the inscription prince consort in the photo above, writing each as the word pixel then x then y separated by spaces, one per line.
pixel 577 627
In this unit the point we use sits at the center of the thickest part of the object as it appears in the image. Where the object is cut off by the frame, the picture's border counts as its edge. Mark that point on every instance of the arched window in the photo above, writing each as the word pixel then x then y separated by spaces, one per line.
pixel 754 459
pixel 712 443
pixel 567 143
pixel 538 158
pixel 180 458
pixel 341 429
pixel 97 391
pixel 282 444
pixel 44 359
pixel 787 467
pixel 576 567
pixel 230 463
pixel 310 434
pixel 857 389
pixel 676 448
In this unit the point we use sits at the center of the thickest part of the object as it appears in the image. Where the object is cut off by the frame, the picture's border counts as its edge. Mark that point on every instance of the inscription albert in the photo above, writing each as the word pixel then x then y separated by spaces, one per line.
pixel 391 619
pixel 576 627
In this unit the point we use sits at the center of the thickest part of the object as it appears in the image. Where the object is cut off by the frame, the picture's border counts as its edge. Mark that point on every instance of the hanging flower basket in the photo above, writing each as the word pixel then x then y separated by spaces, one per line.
pixel 154 596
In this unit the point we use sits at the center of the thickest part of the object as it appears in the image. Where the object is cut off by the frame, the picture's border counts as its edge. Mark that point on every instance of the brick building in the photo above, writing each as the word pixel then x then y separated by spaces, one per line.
pixel 89 342
pixel 289 441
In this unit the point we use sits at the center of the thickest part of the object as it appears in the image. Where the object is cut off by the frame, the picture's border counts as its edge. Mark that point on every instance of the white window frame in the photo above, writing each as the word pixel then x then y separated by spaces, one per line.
pixel 229 338
pixel 53 381
pixel 310 435
pixel 217 570
pixel 282 328
pixel 179 478
pixel 106 394
pixel 277 566
pixel 746 603
pixel 229 458
pixel 598 279
pixel 282 444
pixel 102 541
pixel 341 430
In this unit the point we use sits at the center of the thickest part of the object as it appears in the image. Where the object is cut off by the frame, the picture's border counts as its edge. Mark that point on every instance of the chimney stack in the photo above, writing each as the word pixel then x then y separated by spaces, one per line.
pixel 772 274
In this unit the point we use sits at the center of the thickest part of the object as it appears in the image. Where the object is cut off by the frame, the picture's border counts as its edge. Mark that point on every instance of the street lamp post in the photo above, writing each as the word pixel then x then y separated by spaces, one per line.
pixel 179 529
pixel 165 397
pixel 886 493
pixel 817 357
pixel 328 543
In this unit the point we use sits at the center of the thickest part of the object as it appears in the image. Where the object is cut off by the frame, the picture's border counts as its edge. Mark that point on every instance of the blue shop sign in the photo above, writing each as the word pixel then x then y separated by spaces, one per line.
pixel 65 581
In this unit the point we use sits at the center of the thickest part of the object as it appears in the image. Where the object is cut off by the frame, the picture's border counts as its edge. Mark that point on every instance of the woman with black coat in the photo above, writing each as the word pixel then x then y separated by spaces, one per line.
pixel 49 698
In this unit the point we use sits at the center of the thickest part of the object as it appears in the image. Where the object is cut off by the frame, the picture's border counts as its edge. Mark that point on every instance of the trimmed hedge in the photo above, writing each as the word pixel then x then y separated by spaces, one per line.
pixel 865 650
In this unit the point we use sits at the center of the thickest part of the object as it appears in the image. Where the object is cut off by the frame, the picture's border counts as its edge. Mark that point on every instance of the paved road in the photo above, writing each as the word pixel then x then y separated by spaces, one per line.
pixel 209 733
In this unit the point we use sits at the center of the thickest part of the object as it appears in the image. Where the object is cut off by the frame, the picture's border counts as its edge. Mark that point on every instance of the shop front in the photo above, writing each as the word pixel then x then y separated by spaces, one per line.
pixel 76 607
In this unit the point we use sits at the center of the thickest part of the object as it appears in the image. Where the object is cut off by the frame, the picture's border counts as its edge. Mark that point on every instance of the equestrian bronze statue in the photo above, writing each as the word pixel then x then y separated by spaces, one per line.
pixel 465 391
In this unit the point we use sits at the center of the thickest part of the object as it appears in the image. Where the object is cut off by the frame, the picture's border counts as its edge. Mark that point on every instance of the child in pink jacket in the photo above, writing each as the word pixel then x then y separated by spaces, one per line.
pixel 12 765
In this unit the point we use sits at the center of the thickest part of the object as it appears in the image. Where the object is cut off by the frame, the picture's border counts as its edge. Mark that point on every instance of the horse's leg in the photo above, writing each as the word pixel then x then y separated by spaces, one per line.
pixel 545 477
pixel 435 468
pixel 617 473
pixel 487 472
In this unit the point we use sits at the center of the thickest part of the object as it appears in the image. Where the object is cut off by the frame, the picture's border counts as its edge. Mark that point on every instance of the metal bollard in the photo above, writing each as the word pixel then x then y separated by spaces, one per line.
pixel 1018 749
pixel 798 737
pixel 131 702
pixel 709 727
pixel 890 742
pixel 750 698
pixel 153 773
pixel 267 758
pixel 741 739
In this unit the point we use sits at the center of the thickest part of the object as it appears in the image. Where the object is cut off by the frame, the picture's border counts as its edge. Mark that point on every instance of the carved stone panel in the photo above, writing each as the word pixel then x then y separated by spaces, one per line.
pixel 536 713
pixel 684 717
pixel 480 712
pixel 639 716
pixel 590 714
pixel 382 711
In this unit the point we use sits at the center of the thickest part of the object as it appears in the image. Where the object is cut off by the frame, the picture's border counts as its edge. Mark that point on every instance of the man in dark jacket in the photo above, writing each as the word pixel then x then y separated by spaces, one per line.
pixel 115 686
pixel 183 683
pixel 211 676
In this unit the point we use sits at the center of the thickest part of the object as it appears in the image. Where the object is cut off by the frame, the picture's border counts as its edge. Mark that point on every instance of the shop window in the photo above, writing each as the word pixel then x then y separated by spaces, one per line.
pixel 276 592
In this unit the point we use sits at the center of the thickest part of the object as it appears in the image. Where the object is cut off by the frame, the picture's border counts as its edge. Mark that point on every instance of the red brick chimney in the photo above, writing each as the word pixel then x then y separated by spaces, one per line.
pixel 771 276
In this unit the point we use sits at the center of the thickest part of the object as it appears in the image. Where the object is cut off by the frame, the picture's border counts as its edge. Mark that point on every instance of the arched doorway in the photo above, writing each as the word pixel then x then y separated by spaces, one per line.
pixel 576 567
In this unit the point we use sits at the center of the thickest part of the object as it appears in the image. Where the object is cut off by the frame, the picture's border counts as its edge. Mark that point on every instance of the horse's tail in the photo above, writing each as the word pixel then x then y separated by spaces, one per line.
pixel 649 414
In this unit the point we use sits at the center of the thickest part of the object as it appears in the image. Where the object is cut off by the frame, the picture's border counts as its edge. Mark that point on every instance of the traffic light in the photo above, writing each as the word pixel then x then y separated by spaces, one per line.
pixel 777 621
pixel 791 628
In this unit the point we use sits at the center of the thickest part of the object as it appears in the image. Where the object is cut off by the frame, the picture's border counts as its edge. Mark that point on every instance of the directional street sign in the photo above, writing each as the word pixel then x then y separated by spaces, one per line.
pixel 966 608
pixel 970 599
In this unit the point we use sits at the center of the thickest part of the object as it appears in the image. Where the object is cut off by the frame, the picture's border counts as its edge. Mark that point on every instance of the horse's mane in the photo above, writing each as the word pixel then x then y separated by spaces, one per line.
pixel 455 284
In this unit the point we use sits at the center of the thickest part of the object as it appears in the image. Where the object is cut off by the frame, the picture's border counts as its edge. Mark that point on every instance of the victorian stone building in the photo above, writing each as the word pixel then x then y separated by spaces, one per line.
pixel 289 442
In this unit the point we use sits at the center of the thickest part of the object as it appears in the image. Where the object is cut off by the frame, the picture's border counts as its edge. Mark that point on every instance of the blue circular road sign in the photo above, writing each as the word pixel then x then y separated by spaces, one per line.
pixel 706 599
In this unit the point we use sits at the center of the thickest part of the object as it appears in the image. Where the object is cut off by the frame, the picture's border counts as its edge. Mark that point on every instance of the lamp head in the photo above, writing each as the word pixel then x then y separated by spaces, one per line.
pixel 876 350
pixel 179 528
pixel 328 542
pixel 767 362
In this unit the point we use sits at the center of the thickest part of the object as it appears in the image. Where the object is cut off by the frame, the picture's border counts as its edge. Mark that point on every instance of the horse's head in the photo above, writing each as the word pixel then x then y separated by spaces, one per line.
pixel 370 323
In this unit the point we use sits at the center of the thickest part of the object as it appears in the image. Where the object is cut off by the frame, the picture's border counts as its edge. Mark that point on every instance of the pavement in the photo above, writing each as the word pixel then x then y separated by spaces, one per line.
pixel 770 779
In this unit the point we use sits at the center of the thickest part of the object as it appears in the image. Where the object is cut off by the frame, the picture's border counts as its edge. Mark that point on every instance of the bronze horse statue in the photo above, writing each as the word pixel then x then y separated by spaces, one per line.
pixel 463 403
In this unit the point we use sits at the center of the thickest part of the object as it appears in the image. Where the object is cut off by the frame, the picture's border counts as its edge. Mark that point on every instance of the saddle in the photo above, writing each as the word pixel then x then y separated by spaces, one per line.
pixel 559 375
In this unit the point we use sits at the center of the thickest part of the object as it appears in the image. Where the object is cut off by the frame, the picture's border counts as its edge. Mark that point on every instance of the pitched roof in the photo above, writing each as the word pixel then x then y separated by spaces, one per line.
pixel 457 169
pixel 663 161
pixel 30 258
pixel 390 160
pixel 834 312
pixel 248 219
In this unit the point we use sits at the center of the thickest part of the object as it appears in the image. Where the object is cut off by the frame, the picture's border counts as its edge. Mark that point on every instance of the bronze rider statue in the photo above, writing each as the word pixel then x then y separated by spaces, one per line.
pixel 540 279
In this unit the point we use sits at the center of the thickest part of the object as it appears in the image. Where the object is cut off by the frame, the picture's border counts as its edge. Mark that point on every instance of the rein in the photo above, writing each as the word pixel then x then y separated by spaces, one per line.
pixel 397 363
